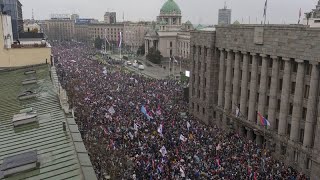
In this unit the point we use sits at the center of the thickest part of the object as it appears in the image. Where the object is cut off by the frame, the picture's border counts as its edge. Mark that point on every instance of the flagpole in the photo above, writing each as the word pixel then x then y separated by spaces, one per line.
pixel 105 41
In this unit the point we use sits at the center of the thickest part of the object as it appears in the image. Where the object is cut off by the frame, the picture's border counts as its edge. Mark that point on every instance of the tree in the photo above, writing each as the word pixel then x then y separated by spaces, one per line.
pixel 98 43
pixel 154 56
pixel 141 50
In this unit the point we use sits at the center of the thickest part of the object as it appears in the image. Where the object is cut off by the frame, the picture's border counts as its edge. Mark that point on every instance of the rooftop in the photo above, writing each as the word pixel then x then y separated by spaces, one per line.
pixel 57 152
pixel 170 7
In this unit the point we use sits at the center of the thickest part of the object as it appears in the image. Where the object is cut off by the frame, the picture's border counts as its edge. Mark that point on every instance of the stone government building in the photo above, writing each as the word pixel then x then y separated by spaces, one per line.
pixel 272 69
pixel 170 36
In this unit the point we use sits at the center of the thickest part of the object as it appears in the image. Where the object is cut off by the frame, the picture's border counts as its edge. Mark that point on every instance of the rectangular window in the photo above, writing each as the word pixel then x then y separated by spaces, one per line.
pixel 267 102
pixel 269 82
pixel 203 111
pixel 278 105
pixel 306 91
pixel 250 61
pixel 304 113
pixel 309 162
pixel 194 50
pixel 204 96
pixel 270 63
pixel 200 50
pixel 290 109
pixel 288 130
pixel 282 65
pixel 249 77
pixel 283 150
pixel 280 85
pixel 301 135
pixel 192 106
pixel 199 94
pixel 259 77
pixel 171 44
pixel 295 67
pixel 277 124
pixel 198 108
pixel 293 87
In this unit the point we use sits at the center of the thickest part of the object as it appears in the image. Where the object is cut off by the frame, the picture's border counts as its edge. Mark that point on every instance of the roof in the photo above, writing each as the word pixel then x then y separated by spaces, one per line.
pixel 170 7
pixel 56 149
pixel 188 22
pixel 199 27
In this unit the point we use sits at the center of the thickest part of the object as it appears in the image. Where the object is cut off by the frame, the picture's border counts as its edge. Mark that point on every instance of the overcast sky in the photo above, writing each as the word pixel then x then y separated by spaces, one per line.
pixel 197 11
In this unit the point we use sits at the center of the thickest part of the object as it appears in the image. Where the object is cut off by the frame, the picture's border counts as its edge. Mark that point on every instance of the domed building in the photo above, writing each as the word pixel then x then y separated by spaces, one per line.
pixel 170 36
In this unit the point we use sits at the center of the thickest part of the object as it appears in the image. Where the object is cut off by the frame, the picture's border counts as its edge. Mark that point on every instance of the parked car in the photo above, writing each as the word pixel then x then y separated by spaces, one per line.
pixel 141 67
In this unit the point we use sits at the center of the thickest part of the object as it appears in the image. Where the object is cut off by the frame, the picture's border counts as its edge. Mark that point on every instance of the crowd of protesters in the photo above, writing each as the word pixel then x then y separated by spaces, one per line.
pixel 138 128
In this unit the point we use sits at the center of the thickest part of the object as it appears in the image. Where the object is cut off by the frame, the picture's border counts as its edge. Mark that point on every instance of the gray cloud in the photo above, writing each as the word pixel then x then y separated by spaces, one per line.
pixel 197 11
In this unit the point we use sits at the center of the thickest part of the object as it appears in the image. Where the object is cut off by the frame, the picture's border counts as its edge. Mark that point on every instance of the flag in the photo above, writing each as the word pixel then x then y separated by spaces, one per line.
pixel 299 16
pixel 111 110
pixel 104 130
pixel 263 120
pixel 160 129
pixel 218 147
pixel 143 110
pixel 158 112
pixel 135 127
pixel 188 125
pixel 237 112
pixel 163 151
pixel 182 138
pixel 265 9
pixel 120 39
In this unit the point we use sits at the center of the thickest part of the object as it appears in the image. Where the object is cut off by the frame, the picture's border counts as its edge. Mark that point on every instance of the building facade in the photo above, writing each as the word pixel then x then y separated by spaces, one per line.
pixel 60 29
pixel 134 34
pixel 169 32
pixel 14 9
pixel 110 31
pixel 273 70
pixel 224 16
pixel 110 18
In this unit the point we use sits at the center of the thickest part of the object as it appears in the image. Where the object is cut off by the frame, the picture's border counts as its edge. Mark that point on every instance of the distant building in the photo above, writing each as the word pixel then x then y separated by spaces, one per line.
pixel 134 34
pixel 74 16
pixel 169 35
pixel 110 17
pixel 111 31
pixel 60 27
pixel 224 16
pixel 313 18
pixel 14 9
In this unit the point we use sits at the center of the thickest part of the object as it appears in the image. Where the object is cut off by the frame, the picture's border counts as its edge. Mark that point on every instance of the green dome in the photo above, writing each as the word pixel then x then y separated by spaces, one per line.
pixel 170 7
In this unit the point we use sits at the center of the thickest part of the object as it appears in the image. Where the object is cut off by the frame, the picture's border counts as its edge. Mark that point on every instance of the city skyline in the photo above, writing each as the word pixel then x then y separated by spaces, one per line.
pixel 286 11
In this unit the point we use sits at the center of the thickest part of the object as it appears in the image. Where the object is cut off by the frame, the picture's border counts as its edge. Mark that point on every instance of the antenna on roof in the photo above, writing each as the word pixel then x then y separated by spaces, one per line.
pixel 122 16
pixel 225 4
pixel 32 15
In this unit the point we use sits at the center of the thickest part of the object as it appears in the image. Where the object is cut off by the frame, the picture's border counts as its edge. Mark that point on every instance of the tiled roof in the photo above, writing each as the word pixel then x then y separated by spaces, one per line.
pixel 55 147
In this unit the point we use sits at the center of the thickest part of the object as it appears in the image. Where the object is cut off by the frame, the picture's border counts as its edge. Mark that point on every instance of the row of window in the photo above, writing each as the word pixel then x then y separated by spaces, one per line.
pixel 198 109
